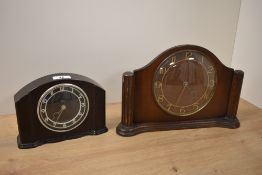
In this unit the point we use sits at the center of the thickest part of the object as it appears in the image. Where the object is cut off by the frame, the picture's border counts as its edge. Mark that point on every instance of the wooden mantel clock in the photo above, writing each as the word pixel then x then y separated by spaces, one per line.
pixel 58 107
pixel 184 87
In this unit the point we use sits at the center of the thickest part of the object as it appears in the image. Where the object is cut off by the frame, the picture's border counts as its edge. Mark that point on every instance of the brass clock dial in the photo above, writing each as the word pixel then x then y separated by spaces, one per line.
pixel 63 107
pixel 184 82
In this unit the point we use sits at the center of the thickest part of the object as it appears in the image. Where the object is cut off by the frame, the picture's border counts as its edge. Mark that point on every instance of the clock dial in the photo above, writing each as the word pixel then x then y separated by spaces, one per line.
pixel 63 107
pixel 184 82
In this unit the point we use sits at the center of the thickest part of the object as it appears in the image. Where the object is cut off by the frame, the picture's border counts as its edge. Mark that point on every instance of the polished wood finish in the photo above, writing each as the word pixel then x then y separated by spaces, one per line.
pixel 212 151
pixel 128 99
pixel 32 133
pixel 235 93
pixel 148 116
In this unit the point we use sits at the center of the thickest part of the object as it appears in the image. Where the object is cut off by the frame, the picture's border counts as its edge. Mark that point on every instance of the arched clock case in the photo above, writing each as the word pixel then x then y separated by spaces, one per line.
pixel 58 107
pixel 184 87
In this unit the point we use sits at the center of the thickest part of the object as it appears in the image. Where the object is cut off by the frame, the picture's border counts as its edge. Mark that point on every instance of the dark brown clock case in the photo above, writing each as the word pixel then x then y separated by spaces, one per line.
pixel 141 113
pixel 32 133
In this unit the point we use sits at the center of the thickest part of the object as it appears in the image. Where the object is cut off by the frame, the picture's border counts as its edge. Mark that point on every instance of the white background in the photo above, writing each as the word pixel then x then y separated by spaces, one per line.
pixel 102 39
pixel 248 48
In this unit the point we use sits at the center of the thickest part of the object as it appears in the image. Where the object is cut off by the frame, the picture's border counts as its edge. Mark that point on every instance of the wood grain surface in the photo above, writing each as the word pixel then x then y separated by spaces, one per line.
pixel 203 151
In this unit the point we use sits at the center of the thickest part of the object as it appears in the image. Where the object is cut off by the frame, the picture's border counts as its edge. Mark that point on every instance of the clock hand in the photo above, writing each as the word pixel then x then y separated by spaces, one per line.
pixel 187 71
pixel 58 113
pixel 182 91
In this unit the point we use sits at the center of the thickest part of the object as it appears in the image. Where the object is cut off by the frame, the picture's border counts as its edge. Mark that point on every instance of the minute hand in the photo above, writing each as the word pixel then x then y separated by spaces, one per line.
pixel 57 115
pixel 182 92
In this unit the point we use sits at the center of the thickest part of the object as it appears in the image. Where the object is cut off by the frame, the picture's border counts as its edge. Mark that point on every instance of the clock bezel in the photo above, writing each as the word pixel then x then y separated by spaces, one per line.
pixel 213 88
pixel 46 92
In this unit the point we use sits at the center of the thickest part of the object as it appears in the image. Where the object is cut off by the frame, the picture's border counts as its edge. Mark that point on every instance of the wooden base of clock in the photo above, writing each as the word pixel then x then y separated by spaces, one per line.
pixel 41 142
pixel 226 122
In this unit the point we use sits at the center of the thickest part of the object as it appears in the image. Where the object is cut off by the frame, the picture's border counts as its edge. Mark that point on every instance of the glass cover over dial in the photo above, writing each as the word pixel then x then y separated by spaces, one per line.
pixel 63 107
pixel 184 82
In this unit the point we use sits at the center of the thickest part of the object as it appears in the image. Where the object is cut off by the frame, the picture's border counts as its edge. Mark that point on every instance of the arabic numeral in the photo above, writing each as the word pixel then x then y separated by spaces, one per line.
pixel 173 60
pixel 196 106
pixel 160 98
pixel 210 69
pixel 162 70
pixel 188 54
pixel 182 110
pixel 211 83
pixel 158 84
pixel 170 107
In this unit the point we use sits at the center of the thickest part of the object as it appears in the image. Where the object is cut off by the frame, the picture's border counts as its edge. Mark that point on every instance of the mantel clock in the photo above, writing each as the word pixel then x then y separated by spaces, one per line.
pixel 184 87
pixel 58 107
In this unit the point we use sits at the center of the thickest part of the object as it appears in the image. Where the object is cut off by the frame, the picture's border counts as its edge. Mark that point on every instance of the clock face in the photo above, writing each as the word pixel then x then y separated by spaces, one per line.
pixel 184 82
pixel 63 107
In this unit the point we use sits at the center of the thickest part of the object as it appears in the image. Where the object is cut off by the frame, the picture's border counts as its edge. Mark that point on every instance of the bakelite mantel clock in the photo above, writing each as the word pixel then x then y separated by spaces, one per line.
pixel 184 87
pixel 58 107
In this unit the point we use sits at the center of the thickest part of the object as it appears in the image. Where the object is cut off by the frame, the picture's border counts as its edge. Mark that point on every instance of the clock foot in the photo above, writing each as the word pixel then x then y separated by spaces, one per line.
pixel 225 122
pixel 28 145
